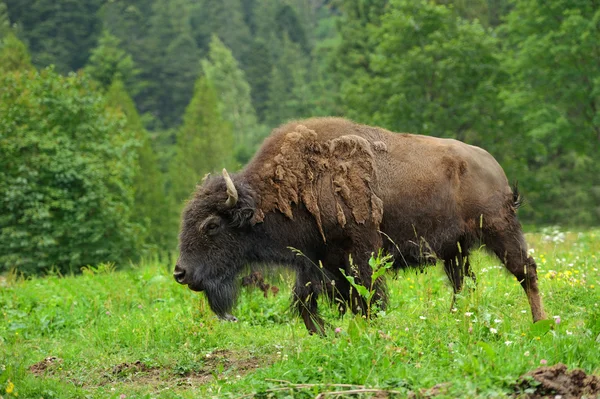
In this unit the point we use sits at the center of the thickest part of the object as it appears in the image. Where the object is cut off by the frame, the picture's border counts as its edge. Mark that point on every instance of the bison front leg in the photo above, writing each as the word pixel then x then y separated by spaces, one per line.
pixel 457 266
pixel 305 295
pixel 364 247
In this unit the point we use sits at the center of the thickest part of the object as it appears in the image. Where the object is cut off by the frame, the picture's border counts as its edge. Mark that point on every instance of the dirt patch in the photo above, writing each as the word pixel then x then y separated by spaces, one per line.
pixel 48 364
pixel 217 364
pixel 557 382
pixel 226 363
pixel 130 368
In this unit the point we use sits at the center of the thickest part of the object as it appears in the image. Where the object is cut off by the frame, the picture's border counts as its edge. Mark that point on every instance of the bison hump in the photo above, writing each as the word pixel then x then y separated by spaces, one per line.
pixel 332 178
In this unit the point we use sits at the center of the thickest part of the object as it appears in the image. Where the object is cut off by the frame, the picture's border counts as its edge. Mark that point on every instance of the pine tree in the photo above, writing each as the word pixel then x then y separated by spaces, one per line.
pixel 57 32
pixel 258 60
pixel 204 142
pixel 5 28
pixel 351 64
pixel 235 103
pixel 152 209
pixel 224 18
pixel 108 62
pixel 169 63
pixel 13 54
pixel 180 68
pixel 288 23
pixel 289 96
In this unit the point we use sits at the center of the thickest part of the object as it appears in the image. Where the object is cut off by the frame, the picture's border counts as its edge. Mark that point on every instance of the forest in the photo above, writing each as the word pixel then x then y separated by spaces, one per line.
pixel 111 111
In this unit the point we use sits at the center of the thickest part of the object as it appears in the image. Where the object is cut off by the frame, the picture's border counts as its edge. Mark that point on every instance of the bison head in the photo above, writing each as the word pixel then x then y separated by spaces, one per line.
pixel 214 241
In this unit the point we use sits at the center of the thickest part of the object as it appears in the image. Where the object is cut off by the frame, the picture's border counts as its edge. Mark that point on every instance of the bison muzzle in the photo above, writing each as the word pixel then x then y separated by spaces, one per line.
pixel 334 191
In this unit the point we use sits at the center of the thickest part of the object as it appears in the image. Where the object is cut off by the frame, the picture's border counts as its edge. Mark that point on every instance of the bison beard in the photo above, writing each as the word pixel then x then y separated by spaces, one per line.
pixel 333 189
pixel 221 298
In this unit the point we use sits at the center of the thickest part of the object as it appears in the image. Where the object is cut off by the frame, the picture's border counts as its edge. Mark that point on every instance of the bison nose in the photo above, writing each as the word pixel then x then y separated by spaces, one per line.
pixel 179 274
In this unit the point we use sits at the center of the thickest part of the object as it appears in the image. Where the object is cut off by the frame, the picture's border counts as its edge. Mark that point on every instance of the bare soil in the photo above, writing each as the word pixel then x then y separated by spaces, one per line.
pixel 557 382
pixel 48 364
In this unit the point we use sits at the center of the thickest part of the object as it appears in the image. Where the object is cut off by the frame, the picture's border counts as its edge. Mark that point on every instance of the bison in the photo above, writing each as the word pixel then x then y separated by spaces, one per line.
pixel 338 191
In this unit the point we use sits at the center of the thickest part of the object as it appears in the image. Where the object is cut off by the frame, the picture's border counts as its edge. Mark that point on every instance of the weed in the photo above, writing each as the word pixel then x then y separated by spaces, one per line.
pixel 379 264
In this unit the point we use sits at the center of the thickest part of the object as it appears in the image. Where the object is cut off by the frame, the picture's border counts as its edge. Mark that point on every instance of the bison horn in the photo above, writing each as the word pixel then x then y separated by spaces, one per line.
pixel 232 193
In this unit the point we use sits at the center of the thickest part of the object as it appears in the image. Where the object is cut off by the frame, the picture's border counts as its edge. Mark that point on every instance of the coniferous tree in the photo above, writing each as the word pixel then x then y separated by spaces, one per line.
pixel 264 14
pixel 288 23
pixel 168 64
pixel 109 62
pixel 57 32
pixel 351 63
pixel 204 142
pixel 179 75
pixel 152 209
pixel 235 103
pixel 289 95
pixel 5 28
pixel 13 54
pixel 258 61
pixel 224 18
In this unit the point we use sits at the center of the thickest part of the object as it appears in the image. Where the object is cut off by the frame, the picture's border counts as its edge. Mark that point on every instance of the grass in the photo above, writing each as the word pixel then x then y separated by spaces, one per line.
pixel 137 334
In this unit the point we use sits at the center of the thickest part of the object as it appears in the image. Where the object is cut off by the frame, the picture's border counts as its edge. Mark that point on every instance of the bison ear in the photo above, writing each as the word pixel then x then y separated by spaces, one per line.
pixel 242 217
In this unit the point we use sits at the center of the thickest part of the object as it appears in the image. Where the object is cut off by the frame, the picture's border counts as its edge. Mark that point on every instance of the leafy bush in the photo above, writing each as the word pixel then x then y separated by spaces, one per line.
pixel 66 167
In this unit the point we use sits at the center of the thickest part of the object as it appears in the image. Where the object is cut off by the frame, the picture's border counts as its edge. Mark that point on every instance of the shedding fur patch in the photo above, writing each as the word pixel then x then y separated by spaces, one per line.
pixel 311 172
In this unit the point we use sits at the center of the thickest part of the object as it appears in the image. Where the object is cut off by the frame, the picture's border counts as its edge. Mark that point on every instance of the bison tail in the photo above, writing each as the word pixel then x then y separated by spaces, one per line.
pixel 517 197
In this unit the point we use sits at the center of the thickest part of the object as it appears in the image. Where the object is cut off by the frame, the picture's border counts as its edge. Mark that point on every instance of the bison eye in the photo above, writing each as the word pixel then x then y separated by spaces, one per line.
pixel 211 227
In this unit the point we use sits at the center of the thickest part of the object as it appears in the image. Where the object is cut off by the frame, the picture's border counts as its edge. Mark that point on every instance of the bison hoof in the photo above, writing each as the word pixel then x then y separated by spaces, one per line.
pixel 228 317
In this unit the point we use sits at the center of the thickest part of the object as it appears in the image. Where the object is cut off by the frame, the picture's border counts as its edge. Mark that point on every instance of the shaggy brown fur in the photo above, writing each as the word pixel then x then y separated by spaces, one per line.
pixel 331 189
pixel 304 168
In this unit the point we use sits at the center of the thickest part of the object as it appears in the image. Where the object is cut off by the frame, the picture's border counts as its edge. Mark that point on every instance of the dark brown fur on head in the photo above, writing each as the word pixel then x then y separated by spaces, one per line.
pixel 211 241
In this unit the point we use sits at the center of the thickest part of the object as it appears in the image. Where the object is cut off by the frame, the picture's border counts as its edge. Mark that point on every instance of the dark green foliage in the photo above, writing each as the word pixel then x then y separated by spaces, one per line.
pixel 109 62
pixel 13 54
pixel 152 209
pixel 351 63
pixel 289 94
pixel 553 98
pixel 5 27
pixel 235 105
pixel 258 60
pixel 287 23
pixel 204 142
pixel 224 18
pixel 66 169
pixel 433 73
pixel 169 64
pixel 58 32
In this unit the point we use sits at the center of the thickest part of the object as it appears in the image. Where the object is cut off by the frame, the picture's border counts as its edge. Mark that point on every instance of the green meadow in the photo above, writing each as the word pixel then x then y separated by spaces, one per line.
pixel 135 333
